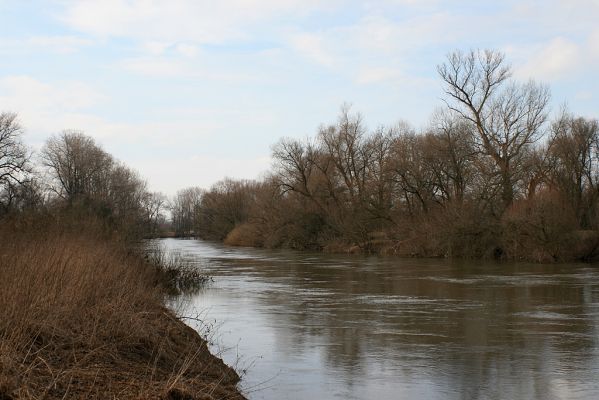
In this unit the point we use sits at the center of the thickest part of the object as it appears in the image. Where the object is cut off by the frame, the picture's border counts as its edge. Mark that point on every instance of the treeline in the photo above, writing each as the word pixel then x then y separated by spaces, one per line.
pixel 491 176
pixel 73 174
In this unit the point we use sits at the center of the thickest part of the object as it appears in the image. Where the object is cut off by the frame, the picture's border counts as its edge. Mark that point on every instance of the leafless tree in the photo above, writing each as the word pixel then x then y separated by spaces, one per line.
pixel 185 208
pixel 451 155
pixel 154 205
pixel 343 143
pixel 14 157
pixel 78 167
pixel 294 165
pixel 574 160
pixel 508 117
pixel 380 183
pixel 126 193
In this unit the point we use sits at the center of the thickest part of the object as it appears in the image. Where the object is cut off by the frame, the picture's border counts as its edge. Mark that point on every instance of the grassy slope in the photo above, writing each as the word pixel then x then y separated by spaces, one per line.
pixel 83 318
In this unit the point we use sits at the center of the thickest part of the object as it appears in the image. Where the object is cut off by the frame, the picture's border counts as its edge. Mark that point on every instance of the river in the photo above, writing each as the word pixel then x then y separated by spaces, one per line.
pixel 318 326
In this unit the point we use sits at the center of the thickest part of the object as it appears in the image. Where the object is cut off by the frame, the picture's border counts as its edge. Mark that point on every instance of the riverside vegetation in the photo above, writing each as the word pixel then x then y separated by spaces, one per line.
pixel 83 309
pixel 491 176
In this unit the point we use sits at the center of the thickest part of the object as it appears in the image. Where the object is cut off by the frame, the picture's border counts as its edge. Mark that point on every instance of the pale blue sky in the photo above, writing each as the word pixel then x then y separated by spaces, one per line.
pixel 189 91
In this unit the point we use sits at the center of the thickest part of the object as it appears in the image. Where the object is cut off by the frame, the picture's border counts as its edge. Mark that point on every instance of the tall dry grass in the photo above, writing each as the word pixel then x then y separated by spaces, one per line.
pixel 82 317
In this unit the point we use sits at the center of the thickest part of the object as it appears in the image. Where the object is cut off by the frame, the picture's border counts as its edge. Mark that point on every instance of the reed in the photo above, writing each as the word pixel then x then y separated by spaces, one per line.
pixel 84 317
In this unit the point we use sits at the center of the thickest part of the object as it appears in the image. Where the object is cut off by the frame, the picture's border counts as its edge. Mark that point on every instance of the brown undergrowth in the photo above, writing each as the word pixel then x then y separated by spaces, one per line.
pixel 83 317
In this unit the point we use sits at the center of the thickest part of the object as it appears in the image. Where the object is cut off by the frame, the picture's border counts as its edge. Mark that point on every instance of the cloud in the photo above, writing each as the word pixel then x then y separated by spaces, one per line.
pixel 26 92
pixel 378 75
pixel 203 170
pixel 183 67
pixel 559 58
pixel 313 47
pixel 593 44
pixel 375 49
pixel 158 67
pixel 52 44
pixel 187 50
pixel 180 20
pixel 47 108
pixel 552 61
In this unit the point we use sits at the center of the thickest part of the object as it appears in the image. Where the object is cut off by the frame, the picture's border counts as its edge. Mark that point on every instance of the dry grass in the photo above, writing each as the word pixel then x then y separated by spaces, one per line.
pixel 83 318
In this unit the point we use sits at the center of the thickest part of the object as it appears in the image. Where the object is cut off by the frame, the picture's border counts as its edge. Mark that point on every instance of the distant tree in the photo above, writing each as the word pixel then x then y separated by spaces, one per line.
pixel 25 196
pixel 154 205
pixel 295 166
pixel 508 117
pixel 185 207
pixel 380 184
pixel 413 175
pixel 125 195
pixel 79 169
pixel 452 155
pixel 226 205
pixel 14 159
pixel 574 158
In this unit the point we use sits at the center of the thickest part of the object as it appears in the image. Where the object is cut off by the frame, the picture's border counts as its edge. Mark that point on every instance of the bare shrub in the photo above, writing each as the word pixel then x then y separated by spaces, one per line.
pixel 541 229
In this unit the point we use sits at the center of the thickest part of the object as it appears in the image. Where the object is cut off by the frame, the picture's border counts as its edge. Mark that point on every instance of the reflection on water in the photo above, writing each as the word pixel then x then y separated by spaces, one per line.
pixel 332 326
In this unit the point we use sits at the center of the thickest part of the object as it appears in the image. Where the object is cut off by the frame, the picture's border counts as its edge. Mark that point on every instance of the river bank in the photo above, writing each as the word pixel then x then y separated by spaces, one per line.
pixel 426 242
pixel 84 317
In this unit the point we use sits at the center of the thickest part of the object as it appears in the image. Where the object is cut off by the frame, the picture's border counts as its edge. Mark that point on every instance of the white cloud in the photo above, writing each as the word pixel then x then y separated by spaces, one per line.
pixel 155 47
pixel 379 33
pixel 203 170
pixel 157 67
pixel 187 67
pixel 52 44
pixel 187 50
pixel 25 92
pixel 593 44
pixel 48 108
pixel 554 60
pixel 378 74
pixel 375 49
pixel 313 47
pixel 180 20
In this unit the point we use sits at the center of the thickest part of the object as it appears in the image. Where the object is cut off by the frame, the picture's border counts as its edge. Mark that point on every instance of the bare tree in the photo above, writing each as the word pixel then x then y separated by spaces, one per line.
pixel 380 183
pixel 185 207
pixel 78 167
pixel 126 193
pixel 154 204
pixel 574 159
pixel 14 157
pixel 294 165
pixel 343 143
pixel 451 155
pixel 412 172
pixel 508 117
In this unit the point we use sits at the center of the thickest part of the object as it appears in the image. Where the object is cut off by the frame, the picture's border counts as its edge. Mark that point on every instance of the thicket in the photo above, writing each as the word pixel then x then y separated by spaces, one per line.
pixel 491 176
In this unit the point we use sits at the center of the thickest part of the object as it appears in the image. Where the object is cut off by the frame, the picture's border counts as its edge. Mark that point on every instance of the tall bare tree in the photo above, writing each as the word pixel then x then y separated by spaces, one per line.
pixel 508 117
pixel 14 157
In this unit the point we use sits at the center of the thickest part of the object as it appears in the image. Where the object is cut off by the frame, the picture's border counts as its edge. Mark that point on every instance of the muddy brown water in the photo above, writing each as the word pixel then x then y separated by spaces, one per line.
pixel 317 326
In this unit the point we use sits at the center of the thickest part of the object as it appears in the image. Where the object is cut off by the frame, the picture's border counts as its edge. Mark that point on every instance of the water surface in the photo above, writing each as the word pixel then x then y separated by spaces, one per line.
pixel 315 326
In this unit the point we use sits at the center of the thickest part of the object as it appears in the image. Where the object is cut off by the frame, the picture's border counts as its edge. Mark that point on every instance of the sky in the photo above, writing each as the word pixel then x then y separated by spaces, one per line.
pixel 188 92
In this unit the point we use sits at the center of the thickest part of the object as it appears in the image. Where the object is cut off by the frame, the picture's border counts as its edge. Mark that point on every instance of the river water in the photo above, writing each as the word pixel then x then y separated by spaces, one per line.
pixel 316 326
